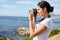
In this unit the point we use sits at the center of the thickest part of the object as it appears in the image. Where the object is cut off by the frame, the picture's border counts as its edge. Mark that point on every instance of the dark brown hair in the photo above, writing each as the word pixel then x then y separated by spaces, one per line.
pixel 43 4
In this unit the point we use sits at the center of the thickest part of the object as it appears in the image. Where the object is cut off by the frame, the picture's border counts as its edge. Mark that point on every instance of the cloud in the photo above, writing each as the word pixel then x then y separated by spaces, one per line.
pixel 56 11
pixel 57 0
pixel 2 0
pixel 26 2
pixel 55 4
pixel 6 5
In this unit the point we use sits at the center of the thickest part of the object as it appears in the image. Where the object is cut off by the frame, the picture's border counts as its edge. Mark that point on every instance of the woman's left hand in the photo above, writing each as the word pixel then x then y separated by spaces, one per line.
pixel 31 15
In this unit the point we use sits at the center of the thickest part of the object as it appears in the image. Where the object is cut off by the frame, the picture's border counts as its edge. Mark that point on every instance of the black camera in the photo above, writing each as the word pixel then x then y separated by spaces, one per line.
pixel 35 11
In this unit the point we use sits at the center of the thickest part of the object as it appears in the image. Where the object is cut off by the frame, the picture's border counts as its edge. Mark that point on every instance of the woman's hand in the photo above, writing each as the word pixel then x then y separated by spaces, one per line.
pixel 31 24
pixel 31 15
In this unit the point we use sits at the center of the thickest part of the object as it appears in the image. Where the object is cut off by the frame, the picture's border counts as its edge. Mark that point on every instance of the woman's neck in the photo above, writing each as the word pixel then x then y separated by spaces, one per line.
pixel 46 15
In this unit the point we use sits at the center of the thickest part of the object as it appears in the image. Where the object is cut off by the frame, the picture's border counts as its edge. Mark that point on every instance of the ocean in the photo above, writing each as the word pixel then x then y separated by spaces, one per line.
pixel 9 23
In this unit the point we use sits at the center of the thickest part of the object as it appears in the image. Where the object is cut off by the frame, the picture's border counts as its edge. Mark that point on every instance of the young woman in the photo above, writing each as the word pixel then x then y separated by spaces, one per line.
pixel 41 30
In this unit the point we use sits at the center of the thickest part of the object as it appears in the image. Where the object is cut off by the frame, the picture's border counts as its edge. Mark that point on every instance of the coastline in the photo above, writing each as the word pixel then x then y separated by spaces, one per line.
pixel 55 34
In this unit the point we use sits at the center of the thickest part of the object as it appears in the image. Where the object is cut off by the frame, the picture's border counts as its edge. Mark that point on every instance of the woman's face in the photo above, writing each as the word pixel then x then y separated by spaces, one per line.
pixel 40 11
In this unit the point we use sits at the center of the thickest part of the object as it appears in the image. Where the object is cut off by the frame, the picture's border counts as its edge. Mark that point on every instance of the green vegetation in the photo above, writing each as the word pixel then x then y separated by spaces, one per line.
pixel 54 32
pixel 2 38
pixel 27 38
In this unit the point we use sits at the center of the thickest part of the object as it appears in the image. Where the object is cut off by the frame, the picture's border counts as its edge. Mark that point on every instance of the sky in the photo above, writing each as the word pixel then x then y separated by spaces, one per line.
pixel 22 7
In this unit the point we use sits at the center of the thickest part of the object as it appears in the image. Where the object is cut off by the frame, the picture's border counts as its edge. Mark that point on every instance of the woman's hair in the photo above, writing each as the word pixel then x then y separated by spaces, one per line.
pixel 43 4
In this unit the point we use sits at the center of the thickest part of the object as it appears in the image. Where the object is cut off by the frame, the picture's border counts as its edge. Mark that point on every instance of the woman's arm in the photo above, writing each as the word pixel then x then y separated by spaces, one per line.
pixel 38 31
pixel 32 20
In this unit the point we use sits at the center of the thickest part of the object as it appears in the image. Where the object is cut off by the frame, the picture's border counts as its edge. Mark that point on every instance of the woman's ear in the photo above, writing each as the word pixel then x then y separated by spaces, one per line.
pixel 44 9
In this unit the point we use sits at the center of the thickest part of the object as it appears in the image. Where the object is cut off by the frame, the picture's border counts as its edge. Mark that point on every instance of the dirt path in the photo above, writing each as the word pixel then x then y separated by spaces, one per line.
pixel 55 37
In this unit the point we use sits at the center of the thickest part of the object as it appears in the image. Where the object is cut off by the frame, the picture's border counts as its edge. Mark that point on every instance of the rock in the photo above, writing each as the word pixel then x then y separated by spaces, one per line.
pixel 9 38
pixel 22 31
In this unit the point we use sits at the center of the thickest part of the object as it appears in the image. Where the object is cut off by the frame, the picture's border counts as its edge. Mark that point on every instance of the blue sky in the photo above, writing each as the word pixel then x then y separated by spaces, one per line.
pixel 22 7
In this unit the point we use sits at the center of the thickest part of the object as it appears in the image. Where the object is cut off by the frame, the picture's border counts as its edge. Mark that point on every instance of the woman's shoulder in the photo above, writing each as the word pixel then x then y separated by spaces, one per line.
pixel 47 20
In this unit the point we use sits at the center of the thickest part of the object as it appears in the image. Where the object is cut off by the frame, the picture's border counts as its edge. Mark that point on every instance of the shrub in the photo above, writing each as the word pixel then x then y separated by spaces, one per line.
pixel 2 38
pixel 54 32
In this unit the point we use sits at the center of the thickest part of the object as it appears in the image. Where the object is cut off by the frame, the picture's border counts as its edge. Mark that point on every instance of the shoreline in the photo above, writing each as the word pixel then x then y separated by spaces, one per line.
pixel 24 32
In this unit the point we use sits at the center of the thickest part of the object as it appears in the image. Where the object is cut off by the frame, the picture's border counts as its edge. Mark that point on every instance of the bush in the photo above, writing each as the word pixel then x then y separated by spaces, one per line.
pixel 2 38
pixel 54 32
pixel 24 38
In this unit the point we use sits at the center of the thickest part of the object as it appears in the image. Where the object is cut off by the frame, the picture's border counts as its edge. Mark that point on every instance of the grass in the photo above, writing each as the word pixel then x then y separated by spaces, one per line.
pixel 26 38
pixel 54 32
pixel 2 38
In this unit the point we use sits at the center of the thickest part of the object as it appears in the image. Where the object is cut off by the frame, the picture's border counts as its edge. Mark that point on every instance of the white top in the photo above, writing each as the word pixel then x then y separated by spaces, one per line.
pixel 49 24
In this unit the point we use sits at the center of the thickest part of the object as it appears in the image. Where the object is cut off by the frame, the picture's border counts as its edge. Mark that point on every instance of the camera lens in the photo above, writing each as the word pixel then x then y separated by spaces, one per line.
pixel 35 11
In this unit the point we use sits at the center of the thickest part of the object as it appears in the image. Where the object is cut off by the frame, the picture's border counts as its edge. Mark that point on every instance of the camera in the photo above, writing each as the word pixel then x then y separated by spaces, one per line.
pixel 35 11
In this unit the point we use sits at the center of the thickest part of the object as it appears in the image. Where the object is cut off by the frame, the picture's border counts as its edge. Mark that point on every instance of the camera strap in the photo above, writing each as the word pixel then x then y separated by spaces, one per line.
pixel 44 18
